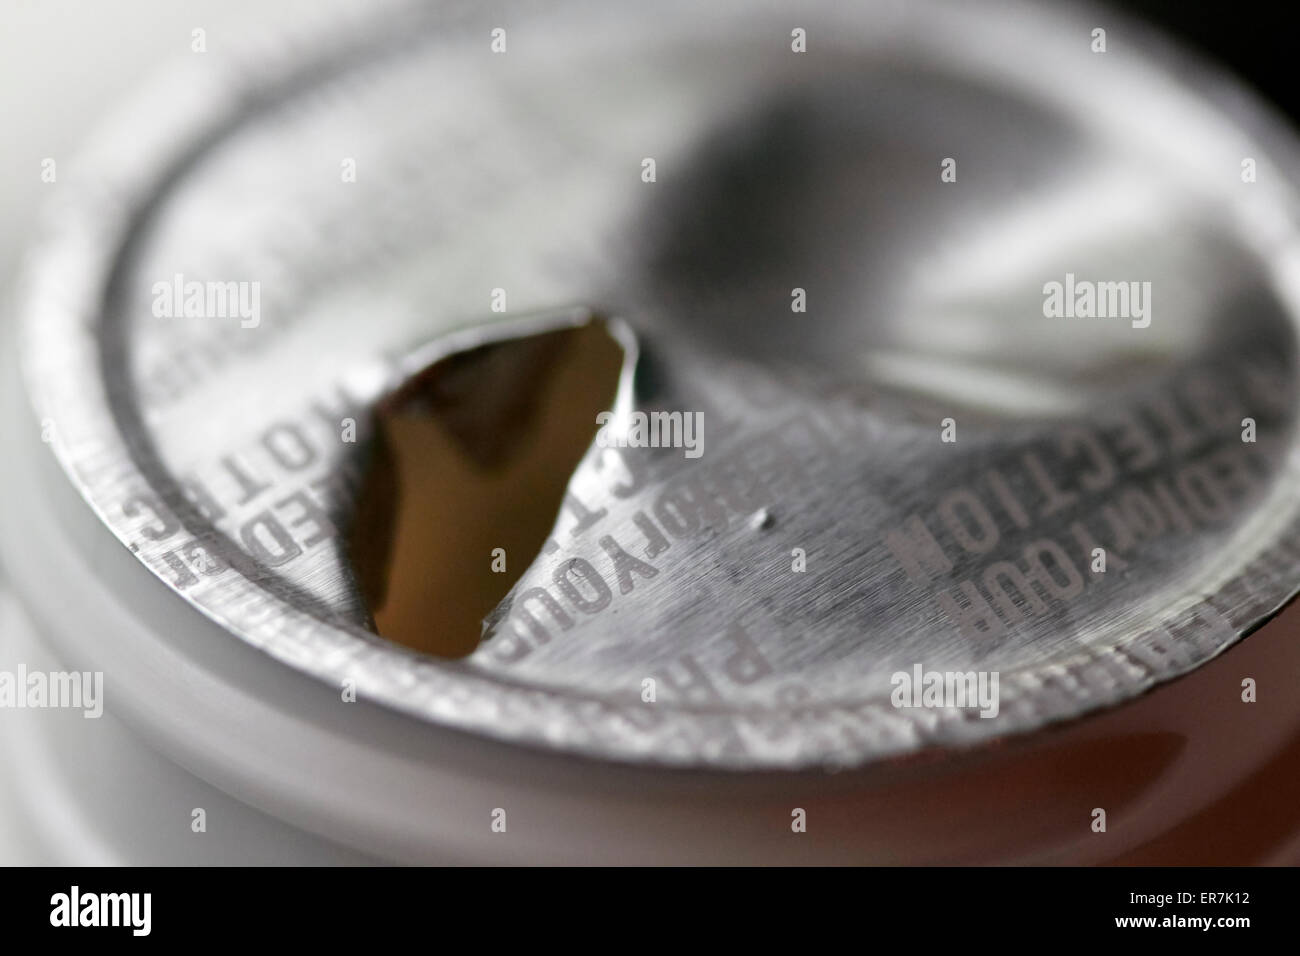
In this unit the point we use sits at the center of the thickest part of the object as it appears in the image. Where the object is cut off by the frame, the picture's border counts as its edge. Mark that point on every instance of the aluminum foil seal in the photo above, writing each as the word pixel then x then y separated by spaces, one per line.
pixel 917 469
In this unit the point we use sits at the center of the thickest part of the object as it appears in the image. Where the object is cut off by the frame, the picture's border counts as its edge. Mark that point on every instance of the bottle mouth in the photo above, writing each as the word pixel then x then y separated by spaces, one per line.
pixel 189 438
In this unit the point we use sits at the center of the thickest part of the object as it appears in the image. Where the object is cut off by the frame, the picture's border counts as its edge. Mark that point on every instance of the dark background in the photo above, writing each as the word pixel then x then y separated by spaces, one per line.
pixel 1256 40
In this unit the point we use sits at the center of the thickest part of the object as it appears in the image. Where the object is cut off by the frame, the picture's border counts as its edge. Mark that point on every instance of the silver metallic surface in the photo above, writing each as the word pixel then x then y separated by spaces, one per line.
pixel 197 440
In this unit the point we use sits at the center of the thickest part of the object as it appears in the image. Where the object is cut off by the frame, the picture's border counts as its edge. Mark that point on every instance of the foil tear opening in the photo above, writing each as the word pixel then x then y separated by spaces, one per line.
pixel 468 472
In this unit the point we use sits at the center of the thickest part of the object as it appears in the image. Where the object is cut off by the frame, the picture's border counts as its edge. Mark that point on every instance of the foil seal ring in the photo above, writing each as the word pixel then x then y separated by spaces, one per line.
pixel 1078 347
